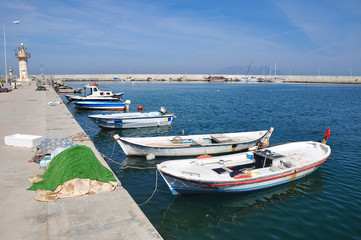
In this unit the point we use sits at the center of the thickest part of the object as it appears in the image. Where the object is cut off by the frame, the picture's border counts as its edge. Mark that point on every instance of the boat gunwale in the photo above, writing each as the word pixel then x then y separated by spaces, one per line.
pixel 100 102
pixel 129 118
pixel 186 145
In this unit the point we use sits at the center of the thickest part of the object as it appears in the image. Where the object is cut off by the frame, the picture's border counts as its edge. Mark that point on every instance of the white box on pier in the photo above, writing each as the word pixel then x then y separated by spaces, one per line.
pixel 23 140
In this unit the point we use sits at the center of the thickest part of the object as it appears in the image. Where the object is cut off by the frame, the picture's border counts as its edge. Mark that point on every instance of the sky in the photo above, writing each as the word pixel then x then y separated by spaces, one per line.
pixel 299 37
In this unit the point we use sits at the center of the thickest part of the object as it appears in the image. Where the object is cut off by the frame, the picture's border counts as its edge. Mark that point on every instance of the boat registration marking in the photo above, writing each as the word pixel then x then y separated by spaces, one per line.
pixel 293 176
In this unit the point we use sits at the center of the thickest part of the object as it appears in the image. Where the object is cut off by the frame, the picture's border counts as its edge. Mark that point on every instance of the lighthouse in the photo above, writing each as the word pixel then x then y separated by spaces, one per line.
pixel 23 56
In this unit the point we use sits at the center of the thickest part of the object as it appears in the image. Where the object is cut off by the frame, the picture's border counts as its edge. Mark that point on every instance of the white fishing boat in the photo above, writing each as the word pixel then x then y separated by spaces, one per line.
pixel 191 145
pixel 95 94
pixel 133 119
pixel 244 172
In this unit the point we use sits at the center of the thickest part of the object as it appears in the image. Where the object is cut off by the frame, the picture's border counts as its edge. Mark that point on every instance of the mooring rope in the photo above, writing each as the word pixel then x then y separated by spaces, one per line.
pixel 125 165
pixel 279 142
pixel 155 189
pixel 134 167
pixel 113 149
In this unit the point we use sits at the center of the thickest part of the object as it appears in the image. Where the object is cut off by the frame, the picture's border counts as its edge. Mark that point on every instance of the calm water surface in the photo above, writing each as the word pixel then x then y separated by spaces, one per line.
pixel 324 205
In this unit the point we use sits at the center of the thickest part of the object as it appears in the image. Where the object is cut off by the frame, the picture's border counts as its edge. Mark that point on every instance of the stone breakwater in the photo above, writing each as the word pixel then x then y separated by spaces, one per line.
pixel 201 77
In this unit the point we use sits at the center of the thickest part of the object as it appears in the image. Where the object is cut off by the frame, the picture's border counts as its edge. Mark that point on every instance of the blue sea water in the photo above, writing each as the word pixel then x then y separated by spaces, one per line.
pixel 324 205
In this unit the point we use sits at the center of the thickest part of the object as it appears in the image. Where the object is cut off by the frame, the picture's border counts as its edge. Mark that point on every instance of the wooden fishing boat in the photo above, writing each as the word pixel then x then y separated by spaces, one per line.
pixel 133 119
pixel 69 90
pixel 95 95
pixel 103 105
pixel 191 145
pixel 244 171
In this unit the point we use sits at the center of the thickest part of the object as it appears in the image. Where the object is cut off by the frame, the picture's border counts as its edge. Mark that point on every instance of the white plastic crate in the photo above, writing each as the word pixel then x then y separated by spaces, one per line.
pixel 23 140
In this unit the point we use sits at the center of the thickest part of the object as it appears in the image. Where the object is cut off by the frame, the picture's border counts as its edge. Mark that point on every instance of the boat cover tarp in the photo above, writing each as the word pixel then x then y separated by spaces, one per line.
pixel 74 172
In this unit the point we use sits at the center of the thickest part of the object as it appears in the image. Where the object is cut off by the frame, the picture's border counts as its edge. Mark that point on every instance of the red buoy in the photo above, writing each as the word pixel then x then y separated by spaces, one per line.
pixel 140 108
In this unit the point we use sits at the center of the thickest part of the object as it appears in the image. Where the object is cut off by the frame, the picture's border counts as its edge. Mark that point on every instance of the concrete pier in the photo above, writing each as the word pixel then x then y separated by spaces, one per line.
pixel 110 215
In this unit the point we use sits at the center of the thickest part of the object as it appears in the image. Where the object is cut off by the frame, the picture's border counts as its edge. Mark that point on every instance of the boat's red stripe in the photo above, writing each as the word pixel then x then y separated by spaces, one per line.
pixel 214 185
pixel 270 178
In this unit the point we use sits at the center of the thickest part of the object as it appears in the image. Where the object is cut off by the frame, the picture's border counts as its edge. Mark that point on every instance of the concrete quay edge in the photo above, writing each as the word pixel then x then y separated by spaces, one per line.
pixel 110 215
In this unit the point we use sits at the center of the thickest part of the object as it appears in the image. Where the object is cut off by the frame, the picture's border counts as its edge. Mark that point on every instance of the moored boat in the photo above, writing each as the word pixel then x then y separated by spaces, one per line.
pixel 133 119
pixel 244 172
pixel 103 105
pixel 95 95
pixel 69 90
pixel 191 145
pixel 211 78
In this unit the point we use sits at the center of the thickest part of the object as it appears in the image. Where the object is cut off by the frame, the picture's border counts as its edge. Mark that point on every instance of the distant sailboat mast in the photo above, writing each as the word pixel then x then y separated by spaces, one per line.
pixel 275 69
pixel 270 71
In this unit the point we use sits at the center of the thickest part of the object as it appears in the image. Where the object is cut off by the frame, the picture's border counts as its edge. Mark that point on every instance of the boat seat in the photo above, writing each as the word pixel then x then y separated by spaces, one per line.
pixel 287 164
pixel 221 138
pixel 227 169
pixel 276 166
pixel 199 141
pixel 177 140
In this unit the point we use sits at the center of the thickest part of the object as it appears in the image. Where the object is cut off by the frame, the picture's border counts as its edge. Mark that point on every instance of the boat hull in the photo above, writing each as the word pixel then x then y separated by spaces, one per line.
pixel 125 123
pixel 90 98
pixel 101 105
pixel 131 149
pixel 180 186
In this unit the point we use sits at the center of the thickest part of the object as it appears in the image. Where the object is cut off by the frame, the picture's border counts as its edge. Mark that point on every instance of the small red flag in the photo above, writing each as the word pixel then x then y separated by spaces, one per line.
pixel 327 133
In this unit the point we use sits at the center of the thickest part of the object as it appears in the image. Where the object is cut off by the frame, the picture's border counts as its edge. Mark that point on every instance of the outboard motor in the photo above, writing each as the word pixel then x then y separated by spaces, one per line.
pixel 162 110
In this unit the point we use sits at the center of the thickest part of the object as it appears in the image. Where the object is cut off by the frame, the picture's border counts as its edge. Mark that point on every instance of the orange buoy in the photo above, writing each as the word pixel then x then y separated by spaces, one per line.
pixel 204 156
pixel 140 108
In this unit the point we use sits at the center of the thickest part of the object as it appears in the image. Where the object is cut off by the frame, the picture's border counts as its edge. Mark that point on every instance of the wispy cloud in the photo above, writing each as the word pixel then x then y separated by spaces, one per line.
pixel 160 34
pixel 280 34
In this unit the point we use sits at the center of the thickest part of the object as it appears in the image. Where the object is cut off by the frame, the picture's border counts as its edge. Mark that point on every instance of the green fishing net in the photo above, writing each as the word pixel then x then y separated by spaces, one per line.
pixel 75 162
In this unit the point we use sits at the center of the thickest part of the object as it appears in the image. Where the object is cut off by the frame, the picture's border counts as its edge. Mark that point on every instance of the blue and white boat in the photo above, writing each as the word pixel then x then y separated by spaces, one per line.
pixel 103 105
pixel 133 119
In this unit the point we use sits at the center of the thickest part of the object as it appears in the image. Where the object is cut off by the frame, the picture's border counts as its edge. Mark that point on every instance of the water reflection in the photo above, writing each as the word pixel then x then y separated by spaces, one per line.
pixel 203 211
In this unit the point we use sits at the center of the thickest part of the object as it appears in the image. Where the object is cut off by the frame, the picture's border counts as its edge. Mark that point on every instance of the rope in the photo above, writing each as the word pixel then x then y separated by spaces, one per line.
pixel 113 149
pixel 134 167
pixel 279 142
pixel 155 189
pixel 125 165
